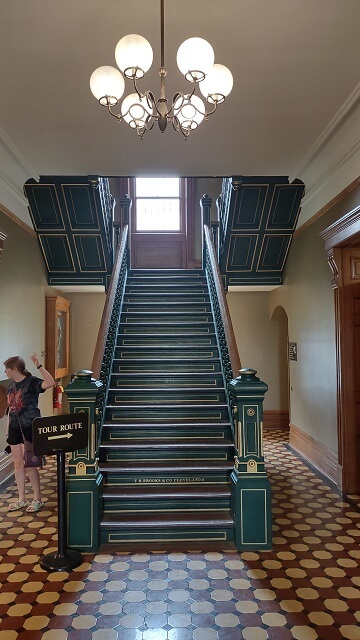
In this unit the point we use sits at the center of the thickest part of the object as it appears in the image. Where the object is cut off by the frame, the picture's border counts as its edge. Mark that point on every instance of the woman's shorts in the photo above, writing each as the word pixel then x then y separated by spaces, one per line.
pixel 15 435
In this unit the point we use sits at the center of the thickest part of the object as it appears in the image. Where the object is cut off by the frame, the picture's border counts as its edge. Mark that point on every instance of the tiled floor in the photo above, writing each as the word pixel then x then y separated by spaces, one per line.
pixel 307 587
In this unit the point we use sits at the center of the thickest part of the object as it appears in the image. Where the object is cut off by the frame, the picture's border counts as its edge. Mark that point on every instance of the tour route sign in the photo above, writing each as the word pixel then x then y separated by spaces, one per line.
pixel 60 433
pixel 57 435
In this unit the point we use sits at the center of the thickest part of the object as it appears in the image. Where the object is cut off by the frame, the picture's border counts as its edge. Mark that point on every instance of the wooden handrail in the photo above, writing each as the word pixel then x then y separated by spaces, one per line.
pixel 224 309
pixel 106 316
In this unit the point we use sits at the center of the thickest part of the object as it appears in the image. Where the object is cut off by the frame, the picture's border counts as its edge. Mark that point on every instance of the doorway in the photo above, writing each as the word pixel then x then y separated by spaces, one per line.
pixel 162 226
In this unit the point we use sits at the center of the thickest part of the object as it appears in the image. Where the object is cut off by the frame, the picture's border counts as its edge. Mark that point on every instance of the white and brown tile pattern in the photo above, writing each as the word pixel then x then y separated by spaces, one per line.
pixel 307 587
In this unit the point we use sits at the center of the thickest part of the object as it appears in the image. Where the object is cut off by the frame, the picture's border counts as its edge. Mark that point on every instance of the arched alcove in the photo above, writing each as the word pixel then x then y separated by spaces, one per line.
pixel 280 319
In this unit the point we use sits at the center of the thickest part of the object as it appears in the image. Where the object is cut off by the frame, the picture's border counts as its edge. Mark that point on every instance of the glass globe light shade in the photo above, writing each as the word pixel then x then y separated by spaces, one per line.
pixel 107 85
pixel 133 55
pixel 135 112
pixel 190 113
pixel 195 58
pixel 218 84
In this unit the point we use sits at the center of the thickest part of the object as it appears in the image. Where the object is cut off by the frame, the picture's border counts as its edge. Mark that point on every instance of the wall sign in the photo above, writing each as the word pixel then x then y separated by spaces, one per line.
pixel 292 350
pixel 60 433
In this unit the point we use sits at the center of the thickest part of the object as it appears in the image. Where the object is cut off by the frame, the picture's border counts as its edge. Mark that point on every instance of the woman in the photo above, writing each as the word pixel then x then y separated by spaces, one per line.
pixel 22 398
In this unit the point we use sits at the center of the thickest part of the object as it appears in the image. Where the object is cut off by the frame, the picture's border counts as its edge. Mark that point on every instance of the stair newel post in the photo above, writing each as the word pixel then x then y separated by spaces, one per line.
pixel 125 206
pixel 250 486
pixel 83 482
pixel 205 208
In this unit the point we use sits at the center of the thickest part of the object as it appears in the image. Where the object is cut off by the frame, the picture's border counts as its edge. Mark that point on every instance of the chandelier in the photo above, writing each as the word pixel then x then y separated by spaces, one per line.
pixel 134 56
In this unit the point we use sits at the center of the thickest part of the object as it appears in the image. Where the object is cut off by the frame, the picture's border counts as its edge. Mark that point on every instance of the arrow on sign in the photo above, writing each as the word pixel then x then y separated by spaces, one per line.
pixel 68 435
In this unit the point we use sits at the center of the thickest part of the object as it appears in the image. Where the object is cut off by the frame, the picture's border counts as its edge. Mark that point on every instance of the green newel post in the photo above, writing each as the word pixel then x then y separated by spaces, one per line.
pixel 83 481
pixel 250 490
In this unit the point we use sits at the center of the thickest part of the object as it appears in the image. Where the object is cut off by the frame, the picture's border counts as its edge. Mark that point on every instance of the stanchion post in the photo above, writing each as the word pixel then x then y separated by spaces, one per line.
pixel 64 559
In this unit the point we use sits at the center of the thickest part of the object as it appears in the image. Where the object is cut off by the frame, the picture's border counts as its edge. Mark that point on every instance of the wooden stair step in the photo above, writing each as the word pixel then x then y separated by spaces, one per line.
pixel 141 491
pixel 162 466
pixel 133 443
pixel 205 427
pixel 173 520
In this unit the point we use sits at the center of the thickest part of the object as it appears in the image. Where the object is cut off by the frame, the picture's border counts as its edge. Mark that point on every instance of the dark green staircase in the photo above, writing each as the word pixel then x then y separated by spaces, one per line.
pixel 166 450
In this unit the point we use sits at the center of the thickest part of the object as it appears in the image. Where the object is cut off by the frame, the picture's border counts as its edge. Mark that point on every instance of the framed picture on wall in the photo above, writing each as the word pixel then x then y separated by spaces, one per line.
pixel 57 336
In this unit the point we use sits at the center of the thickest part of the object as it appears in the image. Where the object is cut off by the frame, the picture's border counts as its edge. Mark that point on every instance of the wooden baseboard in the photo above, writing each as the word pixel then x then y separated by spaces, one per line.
pixel 319 456
pixel 6 468
pixel 276 420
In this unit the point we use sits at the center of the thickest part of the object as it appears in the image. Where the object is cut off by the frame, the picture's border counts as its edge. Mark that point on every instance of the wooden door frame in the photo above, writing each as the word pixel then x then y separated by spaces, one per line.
pixel 342 243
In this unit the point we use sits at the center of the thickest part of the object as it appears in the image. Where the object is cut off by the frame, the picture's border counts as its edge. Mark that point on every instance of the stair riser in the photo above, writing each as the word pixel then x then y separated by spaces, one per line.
pixel 176 319
pixel 144 455
pixel 152 504
pixel 169 366
pixel 162 477
pixel 187 289
pixel 172 329
pixel 166 307
pixel 166 535
pixel 116 433
pixel 160 397
pixel 165 415
pixel 177 381
pixel 171 341
pixel 166 353
pixel 148 299
pixel 167 274
pixel 166 341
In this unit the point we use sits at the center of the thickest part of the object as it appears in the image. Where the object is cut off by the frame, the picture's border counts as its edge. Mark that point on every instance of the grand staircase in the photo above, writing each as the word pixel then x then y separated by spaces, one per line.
pixel 166 450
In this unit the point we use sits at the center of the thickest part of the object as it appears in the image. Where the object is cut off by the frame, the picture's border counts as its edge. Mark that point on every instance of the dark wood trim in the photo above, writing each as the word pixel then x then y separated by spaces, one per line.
pixel 344 258
pixel 318 455
pixel 106 316
pixel 276 420
pixel 342 230
pixel 224 309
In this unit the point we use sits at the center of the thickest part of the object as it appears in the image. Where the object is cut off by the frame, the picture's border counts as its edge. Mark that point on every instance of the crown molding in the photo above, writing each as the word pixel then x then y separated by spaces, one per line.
pixel 340 116
pixel 22 163
pixel 14 190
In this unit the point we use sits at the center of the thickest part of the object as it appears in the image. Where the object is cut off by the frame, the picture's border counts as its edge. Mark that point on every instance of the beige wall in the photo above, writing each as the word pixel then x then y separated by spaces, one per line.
pixel 262 343
pixel 308 300
pixel 85 317
pixel 23 287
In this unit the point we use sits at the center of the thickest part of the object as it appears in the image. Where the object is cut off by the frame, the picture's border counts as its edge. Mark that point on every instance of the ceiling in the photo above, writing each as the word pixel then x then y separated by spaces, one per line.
pixel 294 62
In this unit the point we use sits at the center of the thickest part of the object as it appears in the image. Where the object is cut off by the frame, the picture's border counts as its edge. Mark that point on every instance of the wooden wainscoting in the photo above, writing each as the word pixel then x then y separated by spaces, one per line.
pixel 6 468
pixel 320 456
pixel 276 420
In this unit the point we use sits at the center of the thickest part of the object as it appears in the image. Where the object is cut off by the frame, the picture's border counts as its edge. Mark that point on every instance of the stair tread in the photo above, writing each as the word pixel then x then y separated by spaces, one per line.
pixel 156 443
pixel 182 519
pixel 206 390
pixel 166 465
pixel 166 407
pixel 167 491
pixel 173 425
pixel 176 374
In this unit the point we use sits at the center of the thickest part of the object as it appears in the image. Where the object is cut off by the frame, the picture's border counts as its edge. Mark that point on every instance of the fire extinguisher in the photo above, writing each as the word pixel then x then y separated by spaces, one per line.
pixel 57 396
